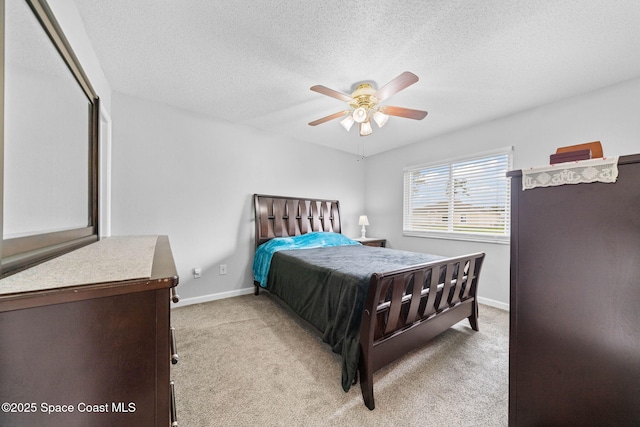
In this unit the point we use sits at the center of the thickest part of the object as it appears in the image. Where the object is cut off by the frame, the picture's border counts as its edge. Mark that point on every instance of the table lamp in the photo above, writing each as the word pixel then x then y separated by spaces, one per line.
pixel 363 221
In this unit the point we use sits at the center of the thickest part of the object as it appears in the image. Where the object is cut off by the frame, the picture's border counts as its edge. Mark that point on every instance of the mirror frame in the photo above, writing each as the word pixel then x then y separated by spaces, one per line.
pixel 23 252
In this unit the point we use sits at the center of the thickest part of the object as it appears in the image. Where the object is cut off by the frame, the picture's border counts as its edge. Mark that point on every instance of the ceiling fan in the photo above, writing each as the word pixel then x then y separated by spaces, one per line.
pixel 364 104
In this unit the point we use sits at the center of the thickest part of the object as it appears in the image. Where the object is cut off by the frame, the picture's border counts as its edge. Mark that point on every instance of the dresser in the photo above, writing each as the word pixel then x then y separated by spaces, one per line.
pixel 574 351
pixel 95 353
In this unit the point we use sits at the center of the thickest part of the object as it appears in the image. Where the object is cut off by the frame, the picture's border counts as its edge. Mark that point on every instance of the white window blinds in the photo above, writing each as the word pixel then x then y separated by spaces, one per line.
pixel 467 198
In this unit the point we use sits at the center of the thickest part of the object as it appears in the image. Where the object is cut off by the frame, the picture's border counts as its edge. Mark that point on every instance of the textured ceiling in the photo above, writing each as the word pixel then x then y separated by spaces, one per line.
pixel 253 62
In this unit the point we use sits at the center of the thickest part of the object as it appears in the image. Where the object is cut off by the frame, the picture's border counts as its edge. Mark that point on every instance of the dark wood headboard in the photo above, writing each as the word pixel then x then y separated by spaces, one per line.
pixel 278 216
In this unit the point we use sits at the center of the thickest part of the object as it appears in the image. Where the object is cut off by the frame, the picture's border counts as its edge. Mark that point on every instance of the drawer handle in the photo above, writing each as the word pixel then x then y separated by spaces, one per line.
pixel 174 417
pixel 174 297
pixel 174 348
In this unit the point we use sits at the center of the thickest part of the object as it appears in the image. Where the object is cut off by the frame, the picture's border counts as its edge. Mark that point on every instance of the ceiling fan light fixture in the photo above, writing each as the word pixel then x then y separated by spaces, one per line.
pixel 360 115
pixel 364 104
pixel 347 122
pixel 365 128
pixel 380 118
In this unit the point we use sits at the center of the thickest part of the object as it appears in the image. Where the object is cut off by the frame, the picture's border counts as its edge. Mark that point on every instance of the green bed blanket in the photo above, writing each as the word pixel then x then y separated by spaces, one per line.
pixel 327 287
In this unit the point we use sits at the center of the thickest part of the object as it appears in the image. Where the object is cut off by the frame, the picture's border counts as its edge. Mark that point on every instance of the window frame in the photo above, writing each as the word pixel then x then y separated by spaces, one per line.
pixel 450 234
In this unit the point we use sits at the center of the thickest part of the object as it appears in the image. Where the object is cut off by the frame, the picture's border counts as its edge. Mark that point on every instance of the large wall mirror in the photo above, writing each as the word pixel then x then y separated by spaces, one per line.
pixel 50 134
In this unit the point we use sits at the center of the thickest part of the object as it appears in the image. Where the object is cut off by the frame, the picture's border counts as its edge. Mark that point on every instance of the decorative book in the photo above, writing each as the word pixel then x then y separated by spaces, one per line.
pixel 570 156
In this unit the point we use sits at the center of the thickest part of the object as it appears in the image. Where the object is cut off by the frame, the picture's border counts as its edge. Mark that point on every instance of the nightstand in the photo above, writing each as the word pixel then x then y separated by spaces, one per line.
pixel 372 241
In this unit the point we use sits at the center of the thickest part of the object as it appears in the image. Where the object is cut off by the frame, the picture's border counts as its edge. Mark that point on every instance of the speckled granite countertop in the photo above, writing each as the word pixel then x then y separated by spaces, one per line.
pixel 109 260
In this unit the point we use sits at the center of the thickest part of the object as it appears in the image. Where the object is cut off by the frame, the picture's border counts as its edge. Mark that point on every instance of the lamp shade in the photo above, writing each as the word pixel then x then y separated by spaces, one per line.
pixel 380 118
pixel 347 122
pixel 363 220
pixel 365 128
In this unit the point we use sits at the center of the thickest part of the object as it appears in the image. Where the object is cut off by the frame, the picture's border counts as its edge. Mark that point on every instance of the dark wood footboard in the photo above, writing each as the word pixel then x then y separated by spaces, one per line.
pixel 406 308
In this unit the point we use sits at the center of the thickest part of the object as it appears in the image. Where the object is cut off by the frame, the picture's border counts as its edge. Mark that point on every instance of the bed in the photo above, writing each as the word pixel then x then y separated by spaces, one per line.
pixel 371 305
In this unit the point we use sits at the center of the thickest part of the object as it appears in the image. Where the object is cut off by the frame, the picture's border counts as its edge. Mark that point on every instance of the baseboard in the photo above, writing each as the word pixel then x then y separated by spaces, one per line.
pixel 213 297
pixel 493 303
pixel 247 291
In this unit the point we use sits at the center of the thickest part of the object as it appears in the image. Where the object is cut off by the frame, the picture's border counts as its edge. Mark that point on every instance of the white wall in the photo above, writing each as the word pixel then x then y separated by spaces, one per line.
pixel 608 115
pixel 192 177
pixel 172 170
pixel 68 17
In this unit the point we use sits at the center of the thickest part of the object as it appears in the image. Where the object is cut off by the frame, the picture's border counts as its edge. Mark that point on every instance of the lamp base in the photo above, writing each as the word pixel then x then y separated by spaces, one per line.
pixel 363 233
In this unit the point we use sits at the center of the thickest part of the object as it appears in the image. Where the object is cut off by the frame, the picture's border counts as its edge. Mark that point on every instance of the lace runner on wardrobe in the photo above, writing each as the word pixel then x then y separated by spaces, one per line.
pixel 578 172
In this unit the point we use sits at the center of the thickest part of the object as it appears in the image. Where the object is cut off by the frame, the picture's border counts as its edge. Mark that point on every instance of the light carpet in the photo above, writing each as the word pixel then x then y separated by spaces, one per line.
pixel 247 361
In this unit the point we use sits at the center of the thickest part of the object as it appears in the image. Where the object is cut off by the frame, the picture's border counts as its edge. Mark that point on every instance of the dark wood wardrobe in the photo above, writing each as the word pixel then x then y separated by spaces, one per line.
pixel 574 356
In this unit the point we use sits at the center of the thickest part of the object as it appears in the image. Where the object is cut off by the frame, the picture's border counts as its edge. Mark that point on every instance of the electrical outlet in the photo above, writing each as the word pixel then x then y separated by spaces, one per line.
pixel 197 273
pixel 223 269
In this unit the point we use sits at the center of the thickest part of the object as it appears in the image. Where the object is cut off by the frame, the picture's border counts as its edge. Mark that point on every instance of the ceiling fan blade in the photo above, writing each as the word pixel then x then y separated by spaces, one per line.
pixel 332 93
pixel 403 112
pixel 403 81
pixel 331 117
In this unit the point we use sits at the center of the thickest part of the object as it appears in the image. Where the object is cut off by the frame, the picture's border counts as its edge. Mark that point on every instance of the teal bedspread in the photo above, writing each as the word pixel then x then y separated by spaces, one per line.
pixel 317 239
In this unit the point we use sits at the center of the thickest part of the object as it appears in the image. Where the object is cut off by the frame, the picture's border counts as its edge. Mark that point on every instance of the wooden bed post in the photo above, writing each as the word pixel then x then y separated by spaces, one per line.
pixel 365 365
pixel 475 264
pixel 473 319
pixel 366 380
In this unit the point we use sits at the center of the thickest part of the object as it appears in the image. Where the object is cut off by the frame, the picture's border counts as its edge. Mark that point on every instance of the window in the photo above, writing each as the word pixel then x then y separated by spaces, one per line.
pixel 467 199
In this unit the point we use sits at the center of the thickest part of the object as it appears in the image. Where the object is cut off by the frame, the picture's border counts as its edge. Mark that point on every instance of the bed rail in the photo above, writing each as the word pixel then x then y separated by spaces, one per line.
pixel 408 307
